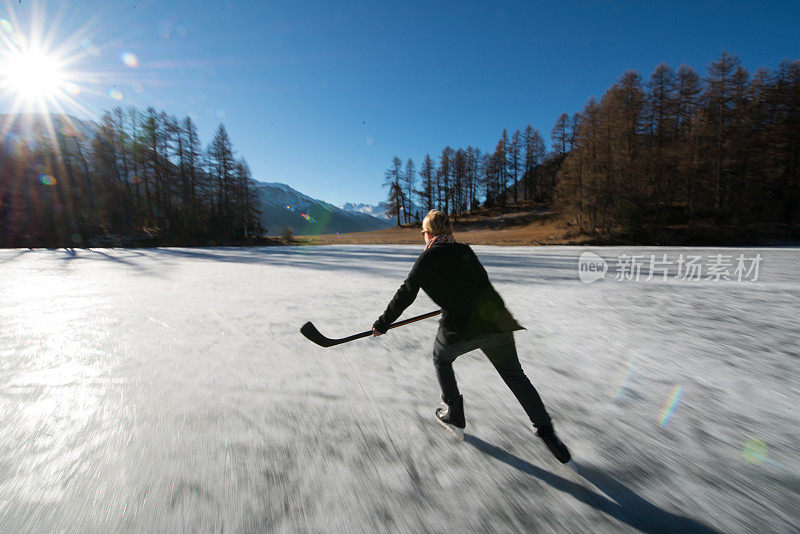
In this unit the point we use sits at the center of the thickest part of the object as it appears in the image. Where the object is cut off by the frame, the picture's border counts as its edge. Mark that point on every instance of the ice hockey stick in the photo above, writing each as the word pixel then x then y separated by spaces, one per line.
pixel 311 332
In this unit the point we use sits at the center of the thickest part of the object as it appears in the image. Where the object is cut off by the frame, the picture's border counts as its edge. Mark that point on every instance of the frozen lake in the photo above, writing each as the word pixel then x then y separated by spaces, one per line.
pixel 170 389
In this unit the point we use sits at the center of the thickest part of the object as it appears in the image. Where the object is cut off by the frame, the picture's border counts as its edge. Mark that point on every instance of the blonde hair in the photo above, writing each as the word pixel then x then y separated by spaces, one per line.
pixel 436 223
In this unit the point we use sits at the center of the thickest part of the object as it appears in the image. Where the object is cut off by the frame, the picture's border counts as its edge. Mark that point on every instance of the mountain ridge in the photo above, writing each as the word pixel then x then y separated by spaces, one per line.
pixel 283 206
pixel 379 210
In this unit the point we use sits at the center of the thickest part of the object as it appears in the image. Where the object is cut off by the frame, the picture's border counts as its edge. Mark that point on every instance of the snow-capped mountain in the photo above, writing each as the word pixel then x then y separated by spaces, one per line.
pixel 283 206
pixel 379 210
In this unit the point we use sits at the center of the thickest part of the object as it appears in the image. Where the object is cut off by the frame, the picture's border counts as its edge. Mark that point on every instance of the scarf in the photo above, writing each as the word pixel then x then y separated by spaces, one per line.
pixel 441 238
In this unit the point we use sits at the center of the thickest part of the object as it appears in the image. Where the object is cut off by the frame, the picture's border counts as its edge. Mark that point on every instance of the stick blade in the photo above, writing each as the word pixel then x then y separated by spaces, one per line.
pixel 314 335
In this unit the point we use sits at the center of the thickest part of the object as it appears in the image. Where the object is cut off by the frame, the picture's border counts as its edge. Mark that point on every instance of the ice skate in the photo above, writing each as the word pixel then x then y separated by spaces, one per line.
pixel 452 417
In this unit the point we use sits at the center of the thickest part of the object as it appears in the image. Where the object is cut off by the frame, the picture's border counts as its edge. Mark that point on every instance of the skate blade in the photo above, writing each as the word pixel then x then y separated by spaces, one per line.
pixel 457 432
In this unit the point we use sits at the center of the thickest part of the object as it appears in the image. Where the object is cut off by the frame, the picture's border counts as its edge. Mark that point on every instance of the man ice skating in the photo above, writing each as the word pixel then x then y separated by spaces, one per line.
pixel 474 317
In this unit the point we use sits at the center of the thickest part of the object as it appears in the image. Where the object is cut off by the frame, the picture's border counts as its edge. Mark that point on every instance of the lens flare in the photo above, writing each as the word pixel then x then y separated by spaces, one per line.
pixel 322 222
pixel 72 88
pixel 116 94
pixel 90 48
pixel 130 60
pixel 755 451
pixel 6 27
pixel 46 179
pixel 137 88
pixel 221 113
pixel 165 29
pixel 670 405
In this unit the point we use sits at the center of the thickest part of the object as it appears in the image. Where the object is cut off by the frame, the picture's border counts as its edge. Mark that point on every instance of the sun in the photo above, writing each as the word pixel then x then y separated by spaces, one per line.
pixel 36 68
pixel 34 76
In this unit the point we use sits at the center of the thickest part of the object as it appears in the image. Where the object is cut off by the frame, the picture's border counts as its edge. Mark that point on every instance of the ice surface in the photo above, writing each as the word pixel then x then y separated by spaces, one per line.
pixel 170 389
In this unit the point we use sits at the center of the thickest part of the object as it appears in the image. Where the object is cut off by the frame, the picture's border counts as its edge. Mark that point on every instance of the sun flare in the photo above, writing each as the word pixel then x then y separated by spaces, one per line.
pixel 33 75
pixel 37 68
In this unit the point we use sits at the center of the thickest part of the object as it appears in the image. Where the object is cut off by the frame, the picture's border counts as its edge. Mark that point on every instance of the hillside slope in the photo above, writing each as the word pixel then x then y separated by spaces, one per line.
pixel 282 206
pixel 30 128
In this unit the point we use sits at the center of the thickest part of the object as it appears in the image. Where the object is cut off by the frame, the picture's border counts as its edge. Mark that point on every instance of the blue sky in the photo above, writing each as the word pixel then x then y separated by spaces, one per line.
pixel 322 95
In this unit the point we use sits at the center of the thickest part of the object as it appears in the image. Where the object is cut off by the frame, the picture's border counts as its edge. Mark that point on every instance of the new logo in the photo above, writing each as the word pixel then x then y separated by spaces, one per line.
pixel 591 267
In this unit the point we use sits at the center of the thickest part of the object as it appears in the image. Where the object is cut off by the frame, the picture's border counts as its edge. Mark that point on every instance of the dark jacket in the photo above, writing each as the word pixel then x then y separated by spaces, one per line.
pixel 453 278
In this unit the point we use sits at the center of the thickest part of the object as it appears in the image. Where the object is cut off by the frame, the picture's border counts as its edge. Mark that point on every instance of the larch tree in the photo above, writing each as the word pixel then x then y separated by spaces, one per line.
pixel 687 136
pixel 660 118
pixel 460 203
pixel 718 109
pixel 409 188
pixel 501 168
pixel 427 176
pixel 560 134
pixel 221 162
pixel 444 173
pixel 786 139
pixel 514 161
pixel 393 180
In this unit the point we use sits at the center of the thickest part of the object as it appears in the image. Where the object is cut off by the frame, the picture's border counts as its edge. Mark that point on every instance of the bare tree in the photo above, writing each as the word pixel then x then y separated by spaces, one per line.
pixel 428 175
pixel 444 178
pixel 409 187
pixel 718 111
pixel 560 134
pixel 221 160
pixel 514 160
pixel 393 179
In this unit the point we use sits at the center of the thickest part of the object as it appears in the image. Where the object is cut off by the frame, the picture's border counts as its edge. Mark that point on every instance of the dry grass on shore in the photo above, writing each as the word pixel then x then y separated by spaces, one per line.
pixel 527 223
pixel 538 232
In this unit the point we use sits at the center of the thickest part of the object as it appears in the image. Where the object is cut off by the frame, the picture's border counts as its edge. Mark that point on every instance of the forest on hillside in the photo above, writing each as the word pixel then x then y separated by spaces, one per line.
pixel 678 149
pixel 140 177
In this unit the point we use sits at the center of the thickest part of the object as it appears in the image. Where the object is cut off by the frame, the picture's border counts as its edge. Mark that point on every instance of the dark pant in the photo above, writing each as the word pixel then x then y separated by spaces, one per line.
pixel 502 352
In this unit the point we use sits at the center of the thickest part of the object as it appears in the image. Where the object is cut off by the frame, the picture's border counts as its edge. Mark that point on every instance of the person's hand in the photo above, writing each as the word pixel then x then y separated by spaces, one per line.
pixel 375 332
